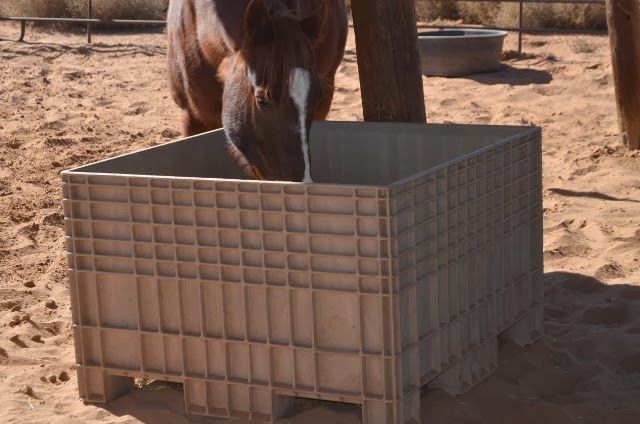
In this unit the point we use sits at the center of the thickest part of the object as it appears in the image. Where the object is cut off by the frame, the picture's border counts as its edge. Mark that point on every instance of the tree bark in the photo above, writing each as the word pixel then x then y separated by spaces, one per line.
pixel 623 19
pixel 388 60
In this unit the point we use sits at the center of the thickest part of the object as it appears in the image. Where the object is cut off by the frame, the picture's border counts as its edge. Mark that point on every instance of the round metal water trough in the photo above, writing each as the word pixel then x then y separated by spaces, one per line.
pixel 452 53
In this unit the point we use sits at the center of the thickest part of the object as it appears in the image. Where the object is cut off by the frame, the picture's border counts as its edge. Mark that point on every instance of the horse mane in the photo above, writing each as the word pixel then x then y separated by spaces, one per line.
pixel 288 49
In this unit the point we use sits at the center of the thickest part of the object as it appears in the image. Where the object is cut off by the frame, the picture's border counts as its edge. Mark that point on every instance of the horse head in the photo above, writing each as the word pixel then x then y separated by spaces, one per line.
pixel 271 89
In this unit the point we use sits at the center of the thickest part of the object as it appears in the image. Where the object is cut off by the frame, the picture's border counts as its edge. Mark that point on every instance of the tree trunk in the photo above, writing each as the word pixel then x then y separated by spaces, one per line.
pixel 623 19
pixel 388 60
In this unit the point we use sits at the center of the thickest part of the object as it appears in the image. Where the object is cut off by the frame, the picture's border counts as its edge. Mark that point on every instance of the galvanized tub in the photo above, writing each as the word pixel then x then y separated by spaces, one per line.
pixel 458 52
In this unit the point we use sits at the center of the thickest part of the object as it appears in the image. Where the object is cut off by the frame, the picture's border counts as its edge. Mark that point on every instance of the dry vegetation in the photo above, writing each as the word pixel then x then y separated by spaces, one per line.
pixel 487 13
pixel 506 14
pixel 116 9
pixel 470 12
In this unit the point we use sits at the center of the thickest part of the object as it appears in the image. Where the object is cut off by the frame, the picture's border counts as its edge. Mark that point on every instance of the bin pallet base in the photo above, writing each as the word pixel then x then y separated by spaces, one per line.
pixel 226 399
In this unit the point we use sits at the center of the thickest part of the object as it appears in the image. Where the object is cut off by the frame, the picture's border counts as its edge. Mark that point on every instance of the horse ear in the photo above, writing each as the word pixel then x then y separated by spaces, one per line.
pixel 258 28
pixel 314 25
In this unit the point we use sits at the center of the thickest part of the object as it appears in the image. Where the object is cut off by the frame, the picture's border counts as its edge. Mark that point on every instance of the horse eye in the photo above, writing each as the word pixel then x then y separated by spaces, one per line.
pixel 263 102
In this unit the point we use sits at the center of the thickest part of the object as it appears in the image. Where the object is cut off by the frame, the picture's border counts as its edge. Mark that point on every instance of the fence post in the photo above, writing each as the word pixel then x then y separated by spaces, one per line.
pixel 520 18
pixel 89 7
pixel 23 29
pixel 623 19
pixel 388 60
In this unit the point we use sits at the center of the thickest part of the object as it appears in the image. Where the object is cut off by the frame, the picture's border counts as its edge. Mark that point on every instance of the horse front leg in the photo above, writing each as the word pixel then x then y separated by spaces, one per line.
pixel 191 125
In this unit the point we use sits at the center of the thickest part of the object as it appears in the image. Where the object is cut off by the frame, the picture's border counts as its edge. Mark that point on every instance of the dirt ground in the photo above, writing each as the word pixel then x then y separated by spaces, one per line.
pixel 63 104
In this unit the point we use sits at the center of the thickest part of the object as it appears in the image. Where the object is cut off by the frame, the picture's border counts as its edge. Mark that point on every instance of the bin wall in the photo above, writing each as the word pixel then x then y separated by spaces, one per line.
pixel 467 253
pixel 239 288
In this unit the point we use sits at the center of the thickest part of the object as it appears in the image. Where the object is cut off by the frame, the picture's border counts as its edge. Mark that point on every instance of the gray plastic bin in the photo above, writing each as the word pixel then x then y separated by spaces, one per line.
pixel 415 248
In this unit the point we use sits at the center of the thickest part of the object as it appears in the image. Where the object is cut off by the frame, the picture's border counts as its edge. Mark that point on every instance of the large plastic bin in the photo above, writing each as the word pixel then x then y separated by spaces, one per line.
pixel 415 248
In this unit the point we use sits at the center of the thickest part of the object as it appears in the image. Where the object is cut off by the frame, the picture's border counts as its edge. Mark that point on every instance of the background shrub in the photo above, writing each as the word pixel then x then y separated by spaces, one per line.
pixel 485 13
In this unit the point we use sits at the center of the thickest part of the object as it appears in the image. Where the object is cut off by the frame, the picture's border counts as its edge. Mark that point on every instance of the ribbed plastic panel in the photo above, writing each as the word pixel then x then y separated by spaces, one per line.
pixel 360 288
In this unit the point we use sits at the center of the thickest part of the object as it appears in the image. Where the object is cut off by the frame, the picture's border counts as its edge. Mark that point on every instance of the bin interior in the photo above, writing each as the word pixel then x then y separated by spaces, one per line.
pixel 350 153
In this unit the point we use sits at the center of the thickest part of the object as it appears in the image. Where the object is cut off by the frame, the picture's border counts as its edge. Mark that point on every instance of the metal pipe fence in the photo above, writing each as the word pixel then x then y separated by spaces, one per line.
pixel 89 20
pixel 520 28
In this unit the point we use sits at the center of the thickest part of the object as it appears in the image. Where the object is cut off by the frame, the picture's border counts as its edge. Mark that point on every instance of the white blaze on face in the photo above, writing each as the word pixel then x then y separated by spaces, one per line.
pixel 299 85
pixel 251 74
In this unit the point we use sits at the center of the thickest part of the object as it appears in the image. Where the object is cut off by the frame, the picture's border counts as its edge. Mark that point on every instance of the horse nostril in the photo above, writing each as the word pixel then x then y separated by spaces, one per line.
pixel 264 103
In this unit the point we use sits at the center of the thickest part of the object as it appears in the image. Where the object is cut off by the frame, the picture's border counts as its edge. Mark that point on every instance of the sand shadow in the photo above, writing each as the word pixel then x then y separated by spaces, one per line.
pixel 591 343
pixel 13 50
pixel 509 75
pixel 162 402
pixel 591 194
pixel 158 402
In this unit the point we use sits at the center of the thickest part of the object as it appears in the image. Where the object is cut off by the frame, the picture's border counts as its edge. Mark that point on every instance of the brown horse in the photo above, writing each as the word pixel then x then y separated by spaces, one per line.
pixel 263 69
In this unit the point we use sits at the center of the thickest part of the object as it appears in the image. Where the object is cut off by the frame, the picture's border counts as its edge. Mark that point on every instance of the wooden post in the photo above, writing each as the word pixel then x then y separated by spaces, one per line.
pixel 23 29
pixel 623 19
pixel 388 60
pixel 89 15
pixel 520 20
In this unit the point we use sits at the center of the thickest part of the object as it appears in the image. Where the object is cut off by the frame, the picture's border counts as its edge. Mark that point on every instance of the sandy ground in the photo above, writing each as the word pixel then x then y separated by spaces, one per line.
pixel 63 104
